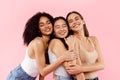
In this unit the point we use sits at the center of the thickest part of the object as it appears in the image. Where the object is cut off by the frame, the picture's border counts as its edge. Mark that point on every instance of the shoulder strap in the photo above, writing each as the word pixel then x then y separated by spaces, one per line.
pixel 91 41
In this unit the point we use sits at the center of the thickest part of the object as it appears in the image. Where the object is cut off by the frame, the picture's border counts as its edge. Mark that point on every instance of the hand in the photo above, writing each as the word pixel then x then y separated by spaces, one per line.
pixel 74 69
pixel 70 55
pixel 70 41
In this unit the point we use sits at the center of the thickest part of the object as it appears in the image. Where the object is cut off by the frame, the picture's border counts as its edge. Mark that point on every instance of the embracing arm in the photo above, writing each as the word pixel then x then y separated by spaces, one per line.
pixel 58 48
pixel 49 68
pixel 98 65
pixel 40 59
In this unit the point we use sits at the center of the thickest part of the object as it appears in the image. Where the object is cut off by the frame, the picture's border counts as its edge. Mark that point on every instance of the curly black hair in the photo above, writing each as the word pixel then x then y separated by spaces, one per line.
pixel 32 27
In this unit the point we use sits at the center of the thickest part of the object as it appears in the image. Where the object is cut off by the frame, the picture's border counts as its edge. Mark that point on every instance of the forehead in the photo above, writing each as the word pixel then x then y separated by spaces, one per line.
pixel 43 18
pixel 73 15
pixel 59 21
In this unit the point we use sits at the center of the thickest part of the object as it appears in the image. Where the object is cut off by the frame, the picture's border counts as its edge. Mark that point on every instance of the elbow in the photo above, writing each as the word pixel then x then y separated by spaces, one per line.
pixel 42 74
pixel 101 66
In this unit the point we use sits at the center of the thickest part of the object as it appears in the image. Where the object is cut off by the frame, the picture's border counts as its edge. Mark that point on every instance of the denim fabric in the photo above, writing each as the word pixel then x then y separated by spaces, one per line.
pixel 19 74
pixel 64 78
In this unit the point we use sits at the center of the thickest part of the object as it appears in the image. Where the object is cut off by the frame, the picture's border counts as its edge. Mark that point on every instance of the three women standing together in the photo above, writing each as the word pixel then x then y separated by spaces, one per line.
pixel 73 54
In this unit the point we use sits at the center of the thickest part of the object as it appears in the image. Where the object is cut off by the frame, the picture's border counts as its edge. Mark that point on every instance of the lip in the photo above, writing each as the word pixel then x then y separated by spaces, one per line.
pixel 76 26
pixel 62 32
pixel 48 30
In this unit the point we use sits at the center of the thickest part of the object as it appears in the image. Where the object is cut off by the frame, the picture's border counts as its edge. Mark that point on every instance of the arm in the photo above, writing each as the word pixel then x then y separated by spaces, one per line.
pixel 79 76
pixel 40 59
pixel 70 41
pixel 99 63
pixel 89 67
pixel 59 50
pixel 58 62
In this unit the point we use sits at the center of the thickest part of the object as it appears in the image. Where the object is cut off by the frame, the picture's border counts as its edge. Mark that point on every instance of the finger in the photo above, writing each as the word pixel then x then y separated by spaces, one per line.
pixel 70 71
pixel 71 65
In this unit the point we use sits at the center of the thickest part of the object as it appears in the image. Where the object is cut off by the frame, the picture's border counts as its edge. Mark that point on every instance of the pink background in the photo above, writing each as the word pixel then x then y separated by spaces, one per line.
pixel 102 18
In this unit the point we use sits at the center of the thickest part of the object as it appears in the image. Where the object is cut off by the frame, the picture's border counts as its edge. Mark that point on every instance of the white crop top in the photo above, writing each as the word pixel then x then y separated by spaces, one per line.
pixel 60 70
pixel 29 66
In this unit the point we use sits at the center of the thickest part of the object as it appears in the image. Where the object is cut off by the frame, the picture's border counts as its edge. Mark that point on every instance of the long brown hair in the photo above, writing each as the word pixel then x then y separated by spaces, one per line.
pixel 86 33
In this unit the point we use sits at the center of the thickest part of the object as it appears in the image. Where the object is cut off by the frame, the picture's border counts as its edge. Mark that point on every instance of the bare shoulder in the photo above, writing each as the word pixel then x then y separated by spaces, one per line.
pixel 55 41
pixel 37 42
pixel 94 39
pixel 36 46
pixel 55 44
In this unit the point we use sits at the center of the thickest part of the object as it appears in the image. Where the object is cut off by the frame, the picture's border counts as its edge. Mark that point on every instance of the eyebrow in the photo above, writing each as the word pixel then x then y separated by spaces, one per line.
pixel 57 25
pixel 77 17
pixel 64 24
pixel 48 21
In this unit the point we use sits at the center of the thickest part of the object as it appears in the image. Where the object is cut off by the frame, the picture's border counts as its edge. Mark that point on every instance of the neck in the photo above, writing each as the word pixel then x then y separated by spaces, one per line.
pixel 79 34
pixel 45 38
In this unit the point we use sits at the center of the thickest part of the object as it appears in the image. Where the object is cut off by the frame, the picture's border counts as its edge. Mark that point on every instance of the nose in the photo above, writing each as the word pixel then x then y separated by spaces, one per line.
pixel 74 21
pixel 46 25
pixel 61 28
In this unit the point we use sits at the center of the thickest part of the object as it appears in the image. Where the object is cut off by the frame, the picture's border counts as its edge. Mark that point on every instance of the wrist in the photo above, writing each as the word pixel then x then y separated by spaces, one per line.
pixel 61 59
pixel 82 68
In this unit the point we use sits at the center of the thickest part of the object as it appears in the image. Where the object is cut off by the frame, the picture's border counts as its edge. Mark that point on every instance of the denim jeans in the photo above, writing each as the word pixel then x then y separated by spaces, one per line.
pixel 19 74
pixel 63 78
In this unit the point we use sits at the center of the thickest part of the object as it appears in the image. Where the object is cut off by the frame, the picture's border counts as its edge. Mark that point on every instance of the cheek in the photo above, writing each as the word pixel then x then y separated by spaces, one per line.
pixel 56 34
pixel 41 28
pixel 50 25
pixel 70 24
pixel 55 31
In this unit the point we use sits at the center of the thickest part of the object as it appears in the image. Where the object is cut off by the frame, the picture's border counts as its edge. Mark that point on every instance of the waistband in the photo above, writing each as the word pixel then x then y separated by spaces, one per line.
pixel 57 77
pixel 88 79
pixel 93 79
pixel 20 68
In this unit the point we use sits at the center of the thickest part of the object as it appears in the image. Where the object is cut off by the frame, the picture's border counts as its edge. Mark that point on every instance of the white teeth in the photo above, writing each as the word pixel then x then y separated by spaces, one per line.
pixel 62 33
pixel 75 26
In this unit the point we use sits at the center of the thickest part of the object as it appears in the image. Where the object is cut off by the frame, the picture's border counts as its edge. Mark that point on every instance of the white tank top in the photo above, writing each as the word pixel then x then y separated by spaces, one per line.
pixel 60 70
pixel 29 66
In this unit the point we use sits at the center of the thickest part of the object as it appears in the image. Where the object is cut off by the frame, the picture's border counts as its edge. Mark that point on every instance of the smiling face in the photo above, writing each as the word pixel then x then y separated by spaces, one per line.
pixel 45 26
pixel 75 22
pixel 60 28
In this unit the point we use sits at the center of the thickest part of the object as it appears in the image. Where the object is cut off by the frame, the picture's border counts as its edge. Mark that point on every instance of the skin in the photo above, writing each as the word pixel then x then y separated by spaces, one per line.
pixel 36 49
pixel 60 29
pixel 76 24
pixel 56 46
